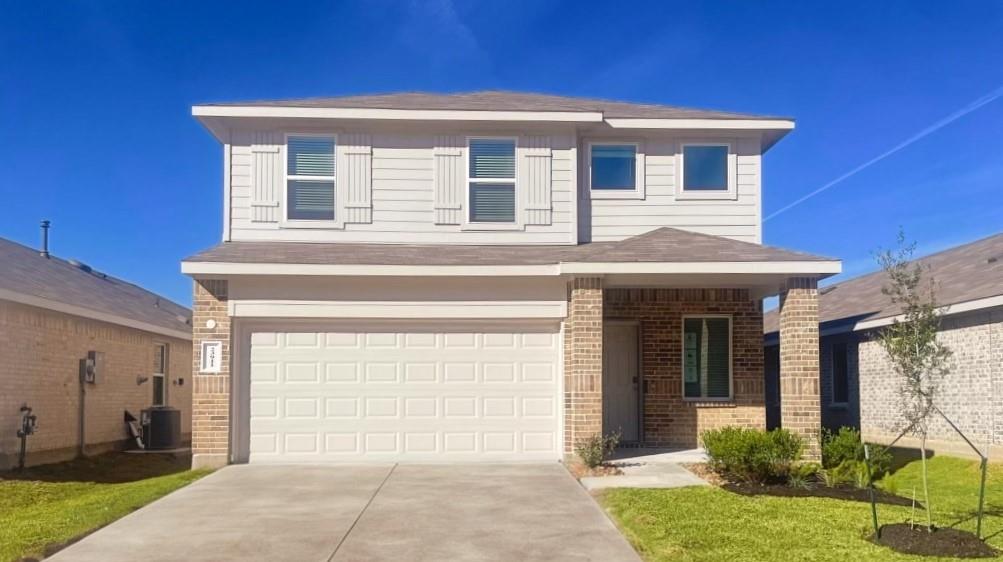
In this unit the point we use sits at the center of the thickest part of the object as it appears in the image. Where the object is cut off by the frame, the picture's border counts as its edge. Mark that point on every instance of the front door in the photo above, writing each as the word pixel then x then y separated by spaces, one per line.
pixel 620 380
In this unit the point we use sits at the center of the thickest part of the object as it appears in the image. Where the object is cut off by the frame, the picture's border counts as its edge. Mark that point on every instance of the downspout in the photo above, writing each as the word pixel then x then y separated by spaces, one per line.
pixel 82 434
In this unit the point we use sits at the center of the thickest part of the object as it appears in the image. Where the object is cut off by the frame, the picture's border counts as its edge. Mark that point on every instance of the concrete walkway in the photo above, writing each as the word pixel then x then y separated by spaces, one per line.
pixel 649 468
pixel 341 513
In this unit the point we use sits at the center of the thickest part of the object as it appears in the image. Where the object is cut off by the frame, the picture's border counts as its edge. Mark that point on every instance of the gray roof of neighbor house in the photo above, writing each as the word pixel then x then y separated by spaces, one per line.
pixel 25 273
pixel 661 245
pixel 964 273
pixel 503 101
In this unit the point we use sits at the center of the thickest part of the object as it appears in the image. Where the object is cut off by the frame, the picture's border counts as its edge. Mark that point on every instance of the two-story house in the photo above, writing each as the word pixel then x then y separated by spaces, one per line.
pixel 489 276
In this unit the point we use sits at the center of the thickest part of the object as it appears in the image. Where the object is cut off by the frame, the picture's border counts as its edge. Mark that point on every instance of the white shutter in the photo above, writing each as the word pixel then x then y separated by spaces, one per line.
pixel 355 177
pixel 266 176
pixel 450 179
pixel 535 179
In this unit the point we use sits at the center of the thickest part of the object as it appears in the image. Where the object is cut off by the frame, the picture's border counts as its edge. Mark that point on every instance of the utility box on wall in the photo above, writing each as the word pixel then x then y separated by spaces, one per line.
pixel 92 367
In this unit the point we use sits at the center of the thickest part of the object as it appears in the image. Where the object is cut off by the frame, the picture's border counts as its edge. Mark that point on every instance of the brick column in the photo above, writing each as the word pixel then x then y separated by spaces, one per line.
pixel 800 403
pixel 583 338
pixel 211 392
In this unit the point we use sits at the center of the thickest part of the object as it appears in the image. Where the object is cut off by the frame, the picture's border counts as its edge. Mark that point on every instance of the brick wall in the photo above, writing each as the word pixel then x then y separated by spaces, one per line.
pixel 211 398
pixel 971 395
pixel 800 399
pixel 583 336
pixel 41 352
pixel 668 420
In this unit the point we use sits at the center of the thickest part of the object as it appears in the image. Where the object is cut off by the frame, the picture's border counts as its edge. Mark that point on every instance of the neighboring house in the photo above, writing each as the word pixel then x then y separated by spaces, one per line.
pixel 52 313
pixel 858 385
pixel 488 276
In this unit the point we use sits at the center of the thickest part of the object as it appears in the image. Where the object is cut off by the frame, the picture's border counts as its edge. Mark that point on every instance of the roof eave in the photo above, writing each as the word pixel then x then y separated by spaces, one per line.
pixel 351 113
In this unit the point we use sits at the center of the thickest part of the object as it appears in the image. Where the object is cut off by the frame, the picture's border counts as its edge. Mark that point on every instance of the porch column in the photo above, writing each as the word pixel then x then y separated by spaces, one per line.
pixel 583 338
pixel 210 391
pixel 800 402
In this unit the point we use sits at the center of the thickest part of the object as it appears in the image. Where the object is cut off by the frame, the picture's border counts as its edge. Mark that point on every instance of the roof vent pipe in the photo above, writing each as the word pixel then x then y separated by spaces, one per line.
pixel 45 239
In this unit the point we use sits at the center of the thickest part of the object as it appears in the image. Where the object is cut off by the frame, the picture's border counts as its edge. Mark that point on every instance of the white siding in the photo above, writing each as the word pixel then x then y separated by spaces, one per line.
pixel 403 198
pixel 615 219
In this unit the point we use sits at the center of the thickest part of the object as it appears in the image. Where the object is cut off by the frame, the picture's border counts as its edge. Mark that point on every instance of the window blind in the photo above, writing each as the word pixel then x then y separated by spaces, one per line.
pixel 311 200
pixel 492 158
pixel 310 156
pixel 707 358
pixel 492 202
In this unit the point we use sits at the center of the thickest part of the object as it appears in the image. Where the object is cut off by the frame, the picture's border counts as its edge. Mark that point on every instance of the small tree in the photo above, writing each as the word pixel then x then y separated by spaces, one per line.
pixel 918 358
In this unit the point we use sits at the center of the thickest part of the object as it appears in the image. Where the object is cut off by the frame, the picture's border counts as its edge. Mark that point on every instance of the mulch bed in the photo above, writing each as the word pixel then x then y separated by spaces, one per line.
pixel 819 490
pixel 579 470
pixel 941 542
pixel 850 493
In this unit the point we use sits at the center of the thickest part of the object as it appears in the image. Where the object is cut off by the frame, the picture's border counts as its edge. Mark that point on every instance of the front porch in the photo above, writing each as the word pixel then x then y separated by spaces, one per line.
pixel 660 365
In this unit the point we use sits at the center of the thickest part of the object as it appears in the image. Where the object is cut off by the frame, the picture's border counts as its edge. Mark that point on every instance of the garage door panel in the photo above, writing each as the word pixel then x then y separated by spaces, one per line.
pixel 410 395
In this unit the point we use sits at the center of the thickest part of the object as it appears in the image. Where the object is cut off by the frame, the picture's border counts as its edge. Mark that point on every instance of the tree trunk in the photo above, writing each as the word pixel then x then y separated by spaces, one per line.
pixel 926 488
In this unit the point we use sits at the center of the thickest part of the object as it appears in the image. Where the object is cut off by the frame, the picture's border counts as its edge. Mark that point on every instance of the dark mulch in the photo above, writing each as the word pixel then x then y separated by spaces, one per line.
pixel 850 493
pixel 941 542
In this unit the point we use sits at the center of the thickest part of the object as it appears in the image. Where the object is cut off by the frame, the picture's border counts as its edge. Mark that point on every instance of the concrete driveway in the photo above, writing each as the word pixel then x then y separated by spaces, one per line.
pixel 400 512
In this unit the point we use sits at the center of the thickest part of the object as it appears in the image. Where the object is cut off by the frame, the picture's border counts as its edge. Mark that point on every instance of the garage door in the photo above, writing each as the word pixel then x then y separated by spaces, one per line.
pixel 416 395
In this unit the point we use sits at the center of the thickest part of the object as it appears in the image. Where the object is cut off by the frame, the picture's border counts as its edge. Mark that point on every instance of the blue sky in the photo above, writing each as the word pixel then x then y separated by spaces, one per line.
pixel 96 132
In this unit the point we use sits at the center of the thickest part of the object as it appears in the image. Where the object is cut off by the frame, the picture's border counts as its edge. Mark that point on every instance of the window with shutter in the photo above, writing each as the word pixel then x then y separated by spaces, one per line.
pixel 707 358
pixel 310 178
pixel 491 180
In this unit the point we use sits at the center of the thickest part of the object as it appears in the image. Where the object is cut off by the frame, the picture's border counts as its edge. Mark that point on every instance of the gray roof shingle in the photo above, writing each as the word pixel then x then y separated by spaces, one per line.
pixel 25 272
pixel 493 100
pixel 968 272
pixel 660 245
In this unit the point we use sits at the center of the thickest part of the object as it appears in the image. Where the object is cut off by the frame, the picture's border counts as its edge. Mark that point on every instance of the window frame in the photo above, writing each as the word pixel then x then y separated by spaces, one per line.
pixel 517 223
pixel 338 220
pixel 731 358
pixel 639 171
pixel 832 373
pixel 163 376
pixel 731 173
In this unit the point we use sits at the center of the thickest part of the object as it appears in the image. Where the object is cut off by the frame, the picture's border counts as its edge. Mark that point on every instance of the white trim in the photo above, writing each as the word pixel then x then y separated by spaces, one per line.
pixel 731 359
pixel 753 267
pixel 639 172
pixel 90 314
pixel 731 193
pixel 227 195
pixel 395 114
pixel 163 375
pixel 517 218
pixel 339 220
pixel 737 124
pixel 957 308
pixel 412 310
pixel 549 270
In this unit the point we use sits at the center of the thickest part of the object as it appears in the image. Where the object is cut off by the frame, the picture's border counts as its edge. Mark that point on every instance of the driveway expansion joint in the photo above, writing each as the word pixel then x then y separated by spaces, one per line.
pixel 361 512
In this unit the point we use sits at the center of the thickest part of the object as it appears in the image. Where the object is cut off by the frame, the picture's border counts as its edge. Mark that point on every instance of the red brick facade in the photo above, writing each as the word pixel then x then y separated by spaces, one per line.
pixel 211 392
pixel 583 336
pixel 668 419
pixel 800 401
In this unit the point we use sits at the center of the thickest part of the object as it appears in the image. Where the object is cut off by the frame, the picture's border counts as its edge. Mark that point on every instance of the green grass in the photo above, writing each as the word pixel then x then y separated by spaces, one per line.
pixel 48 506
pixel 707 523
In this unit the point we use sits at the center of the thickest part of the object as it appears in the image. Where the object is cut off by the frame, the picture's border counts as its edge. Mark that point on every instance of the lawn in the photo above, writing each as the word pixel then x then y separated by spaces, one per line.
pixel 707 523
pixel 47 506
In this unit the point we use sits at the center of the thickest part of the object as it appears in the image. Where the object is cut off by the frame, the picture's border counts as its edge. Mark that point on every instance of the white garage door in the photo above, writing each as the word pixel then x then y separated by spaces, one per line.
pixel 420 395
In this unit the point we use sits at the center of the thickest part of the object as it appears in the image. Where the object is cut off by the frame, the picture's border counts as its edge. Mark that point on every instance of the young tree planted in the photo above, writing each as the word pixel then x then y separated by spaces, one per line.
pixel 918 358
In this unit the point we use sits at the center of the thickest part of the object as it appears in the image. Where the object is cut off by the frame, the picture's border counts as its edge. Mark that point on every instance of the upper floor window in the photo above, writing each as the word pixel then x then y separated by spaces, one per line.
pixel 615 170
pixel 491 180
pixel 707 171
pixel 310 178
pixel 707 358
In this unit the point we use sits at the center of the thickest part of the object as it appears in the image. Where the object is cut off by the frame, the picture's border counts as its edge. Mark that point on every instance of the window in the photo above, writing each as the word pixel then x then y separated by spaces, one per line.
pixel 310 178
pixel 707 358
pixel 491 179
pixel 707 170
pixel 614 166
pixel 840 373
pixel 160 374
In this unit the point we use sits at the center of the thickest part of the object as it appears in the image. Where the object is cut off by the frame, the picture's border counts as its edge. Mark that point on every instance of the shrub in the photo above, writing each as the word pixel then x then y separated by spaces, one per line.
pixel 803 476
pixel 596 448
pixel 845 446
pixel 751 455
